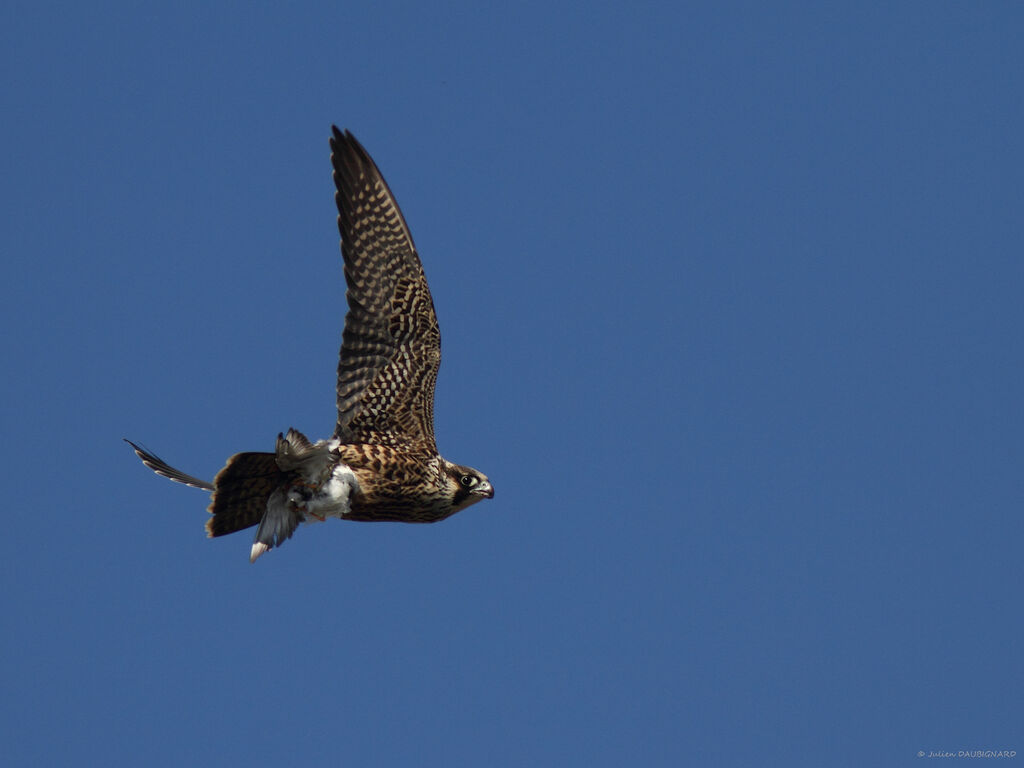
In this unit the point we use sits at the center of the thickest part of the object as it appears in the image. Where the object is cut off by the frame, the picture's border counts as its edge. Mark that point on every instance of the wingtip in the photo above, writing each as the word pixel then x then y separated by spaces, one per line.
pixel 340 137
pixel 258 548
pixel 344 142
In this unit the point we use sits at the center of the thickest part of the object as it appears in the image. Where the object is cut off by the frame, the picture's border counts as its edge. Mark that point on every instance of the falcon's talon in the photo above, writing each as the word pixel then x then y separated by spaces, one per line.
pixel 382 462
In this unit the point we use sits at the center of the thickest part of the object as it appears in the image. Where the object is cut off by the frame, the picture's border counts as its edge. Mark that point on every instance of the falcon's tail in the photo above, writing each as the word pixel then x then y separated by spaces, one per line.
pixel 250 490
pixel 241 492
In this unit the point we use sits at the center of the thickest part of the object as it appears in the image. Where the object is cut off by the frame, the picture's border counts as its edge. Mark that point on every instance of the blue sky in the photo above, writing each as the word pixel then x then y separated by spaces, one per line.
pixel 731 303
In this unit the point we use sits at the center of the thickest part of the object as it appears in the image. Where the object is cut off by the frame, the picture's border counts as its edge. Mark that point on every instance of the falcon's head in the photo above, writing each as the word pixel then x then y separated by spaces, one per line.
pixel 466 486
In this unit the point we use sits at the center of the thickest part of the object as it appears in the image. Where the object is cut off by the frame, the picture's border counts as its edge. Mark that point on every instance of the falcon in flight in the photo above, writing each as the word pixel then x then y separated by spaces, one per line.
pixel 381 463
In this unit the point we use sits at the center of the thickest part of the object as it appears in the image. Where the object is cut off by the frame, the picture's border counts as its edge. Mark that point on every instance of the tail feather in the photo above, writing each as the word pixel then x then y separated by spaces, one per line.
pixel 243 488
pixel 252 489
pixel 164 469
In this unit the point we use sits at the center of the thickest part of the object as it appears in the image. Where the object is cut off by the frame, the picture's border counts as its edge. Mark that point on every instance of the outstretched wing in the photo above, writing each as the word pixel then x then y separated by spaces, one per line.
pixel 391 347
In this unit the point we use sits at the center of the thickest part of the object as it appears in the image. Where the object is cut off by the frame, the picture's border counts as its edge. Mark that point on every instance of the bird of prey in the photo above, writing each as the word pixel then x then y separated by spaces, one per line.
pixel 381 463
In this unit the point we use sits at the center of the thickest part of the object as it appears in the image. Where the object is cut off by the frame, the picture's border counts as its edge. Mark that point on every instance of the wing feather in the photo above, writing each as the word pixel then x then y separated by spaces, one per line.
pixel 391 345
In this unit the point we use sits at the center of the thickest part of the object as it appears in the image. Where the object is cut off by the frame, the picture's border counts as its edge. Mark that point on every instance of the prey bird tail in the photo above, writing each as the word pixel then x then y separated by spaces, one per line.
pixel 247 492
pixel 164 469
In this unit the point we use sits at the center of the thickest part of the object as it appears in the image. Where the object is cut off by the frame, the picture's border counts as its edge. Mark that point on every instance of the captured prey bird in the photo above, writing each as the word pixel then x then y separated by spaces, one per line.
pixel 381 463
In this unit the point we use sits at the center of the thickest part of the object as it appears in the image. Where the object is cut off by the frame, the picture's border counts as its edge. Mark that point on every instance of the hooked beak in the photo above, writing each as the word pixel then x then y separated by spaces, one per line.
pixel 485 489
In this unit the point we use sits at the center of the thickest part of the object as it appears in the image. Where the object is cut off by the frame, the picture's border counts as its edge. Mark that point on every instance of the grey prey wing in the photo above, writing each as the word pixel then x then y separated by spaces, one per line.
pixel 391 346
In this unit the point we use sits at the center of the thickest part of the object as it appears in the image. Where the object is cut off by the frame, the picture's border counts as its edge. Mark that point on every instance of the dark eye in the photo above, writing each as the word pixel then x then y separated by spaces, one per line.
pixel 468 481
